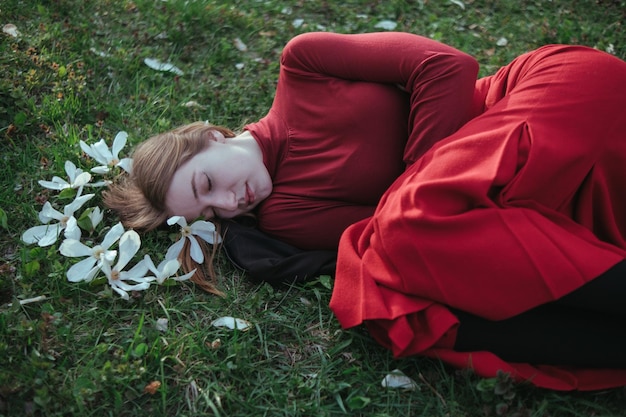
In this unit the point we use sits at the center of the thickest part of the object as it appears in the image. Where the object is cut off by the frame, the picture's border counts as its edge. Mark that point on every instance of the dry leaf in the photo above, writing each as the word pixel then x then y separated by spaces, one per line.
pixel 152 387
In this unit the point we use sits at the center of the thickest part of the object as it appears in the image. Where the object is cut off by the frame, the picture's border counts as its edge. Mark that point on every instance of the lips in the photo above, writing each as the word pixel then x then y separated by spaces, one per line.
pixel 249 196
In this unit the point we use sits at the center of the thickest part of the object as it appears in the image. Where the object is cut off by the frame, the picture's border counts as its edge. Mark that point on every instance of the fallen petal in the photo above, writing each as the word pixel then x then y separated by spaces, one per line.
pixel 161 324
pixel 386 24
pixel 397 379
pixel 240 45
pixel 11 30
pixel 155 64
pixel 232 323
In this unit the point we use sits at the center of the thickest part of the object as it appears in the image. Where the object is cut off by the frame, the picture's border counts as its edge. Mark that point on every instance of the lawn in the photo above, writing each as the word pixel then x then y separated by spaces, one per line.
pixel 75 70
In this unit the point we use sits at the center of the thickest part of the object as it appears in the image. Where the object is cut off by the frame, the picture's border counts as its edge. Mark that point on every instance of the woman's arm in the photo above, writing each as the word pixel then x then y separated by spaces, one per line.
pixel 439 78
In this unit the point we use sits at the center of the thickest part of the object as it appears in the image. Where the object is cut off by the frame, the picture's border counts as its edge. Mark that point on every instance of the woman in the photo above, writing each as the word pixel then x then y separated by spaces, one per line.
pixel 490 222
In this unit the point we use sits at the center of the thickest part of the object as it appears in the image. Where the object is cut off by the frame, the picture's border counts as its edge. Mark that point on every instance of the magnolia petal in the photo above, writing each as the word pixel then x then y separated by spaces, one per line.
pixel 210 237
pixel 155 64
pixel 121 292
pixel 54 185
pixel 103 169
pixel 36 233
pixel 48 213
pixel 177 220
pixel 129 245
pixel 148 261
pixel 184 277
pixel 74 248
pixel 102 153
pixel 78 202
pixel 84 270
pixel 169 267
pixel 113 235
pixel 86 148
pixel 136 274
pixel 174 250
pixel 397 379
pixel 96 216
pixel 231 323
pixel 51 236
pixel 206 230
pixel 132 287
pixel 195 251
pixel 108 256
pixel 126 164
pixel 118 143
pixel 71 169
pixel 82 179
pixel 72 231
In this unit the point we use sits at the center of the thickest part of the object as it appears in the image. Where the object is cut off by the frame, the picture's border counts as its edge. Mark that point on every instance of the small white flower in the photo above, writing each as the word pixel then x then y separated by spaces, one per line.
pixel 47 234
pixel 108 157
pixel 86 269
pixel 166 269
pixel 77 178
pixel 118 278
pixel 203 229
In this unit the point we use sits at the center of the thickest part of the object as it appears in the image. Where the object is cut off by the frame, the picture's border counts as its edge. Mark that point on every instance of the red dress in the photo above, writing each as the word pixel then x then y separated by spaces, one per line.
pixel 523 204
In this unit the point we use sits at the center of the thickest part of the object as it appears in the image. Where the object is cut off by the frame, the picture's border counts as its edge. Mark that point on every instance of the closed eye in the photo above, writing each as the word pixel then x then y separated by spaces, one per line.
pixel 209 183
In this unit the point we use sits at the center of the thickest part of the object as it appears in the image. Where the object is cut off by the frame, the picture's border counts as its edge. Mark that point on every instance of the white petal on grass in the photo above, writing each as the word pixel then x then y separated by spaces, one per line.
pixel 157 65
pixel 296 23
pixel 96 216
pixel 161 324
pixel 232 323
pixel 72 231
pixel 129 245
pixel 37 233
pixel 126 164
pixel 502 41
pixel 174 250
pixel 49 213
pixel 458 3
pixel 11 30
pixel 397 379
pixel 240 45
pixel 206 230
pixel 118 143
pixel 195 251
pixel 386 25
pixel 166 269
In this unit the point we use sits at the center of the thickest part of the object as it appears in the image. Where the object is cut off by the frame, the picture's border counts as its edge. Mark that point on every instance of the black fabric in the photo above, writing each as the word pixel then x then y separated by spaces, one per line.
pixel 267 259
pixel 584 328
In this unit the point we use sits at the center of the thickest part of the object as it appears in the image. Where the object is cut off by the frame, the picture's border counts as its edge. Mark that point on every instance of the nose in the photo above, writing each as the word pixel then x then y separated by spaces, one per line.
pixel 224 200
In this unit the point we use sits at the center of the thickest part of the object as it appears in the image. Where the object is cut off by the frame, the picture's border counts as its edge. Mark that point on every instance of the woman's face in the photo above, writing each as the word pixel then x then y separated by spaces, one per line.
pixel 224 180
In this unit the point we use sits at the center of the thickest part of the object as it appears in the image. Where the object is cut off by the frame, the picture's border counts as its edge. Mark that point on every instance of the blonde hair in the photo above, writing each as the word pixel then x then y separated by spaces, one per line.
pixel 139 198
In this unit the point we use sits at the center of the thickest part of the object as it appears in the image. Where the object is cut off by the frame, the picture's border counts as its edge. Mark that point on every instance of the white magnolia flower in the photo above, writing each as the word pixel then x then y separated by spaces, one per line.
pixel 87 269
pixel 108 157
pixel 46 234
pixel 77 178
pixel 203 229
pixel 166 269
pixel 118 278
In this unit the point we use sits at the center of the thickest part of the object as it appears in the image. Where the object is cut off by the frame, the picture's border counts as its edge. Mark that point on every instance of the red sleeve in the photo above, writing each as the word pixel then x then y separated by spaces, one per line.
pixel 439 78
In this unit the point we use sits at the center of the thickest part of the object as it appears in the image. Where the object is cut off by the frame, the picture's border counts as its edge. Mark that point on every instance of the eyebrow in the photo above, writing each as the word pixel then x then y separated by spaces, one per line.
pixel 193 186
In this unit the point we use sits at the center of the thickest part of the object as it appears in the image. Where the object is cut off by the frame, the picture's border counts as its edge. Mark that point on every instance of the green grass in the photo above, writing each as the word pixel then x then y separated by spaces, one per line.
pixel 77 73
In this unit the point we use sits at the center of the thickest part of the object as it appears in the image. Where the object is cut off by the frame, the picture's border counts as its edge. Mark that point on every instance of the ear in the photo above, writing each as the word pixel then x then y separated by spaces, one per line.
pixel 218 136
